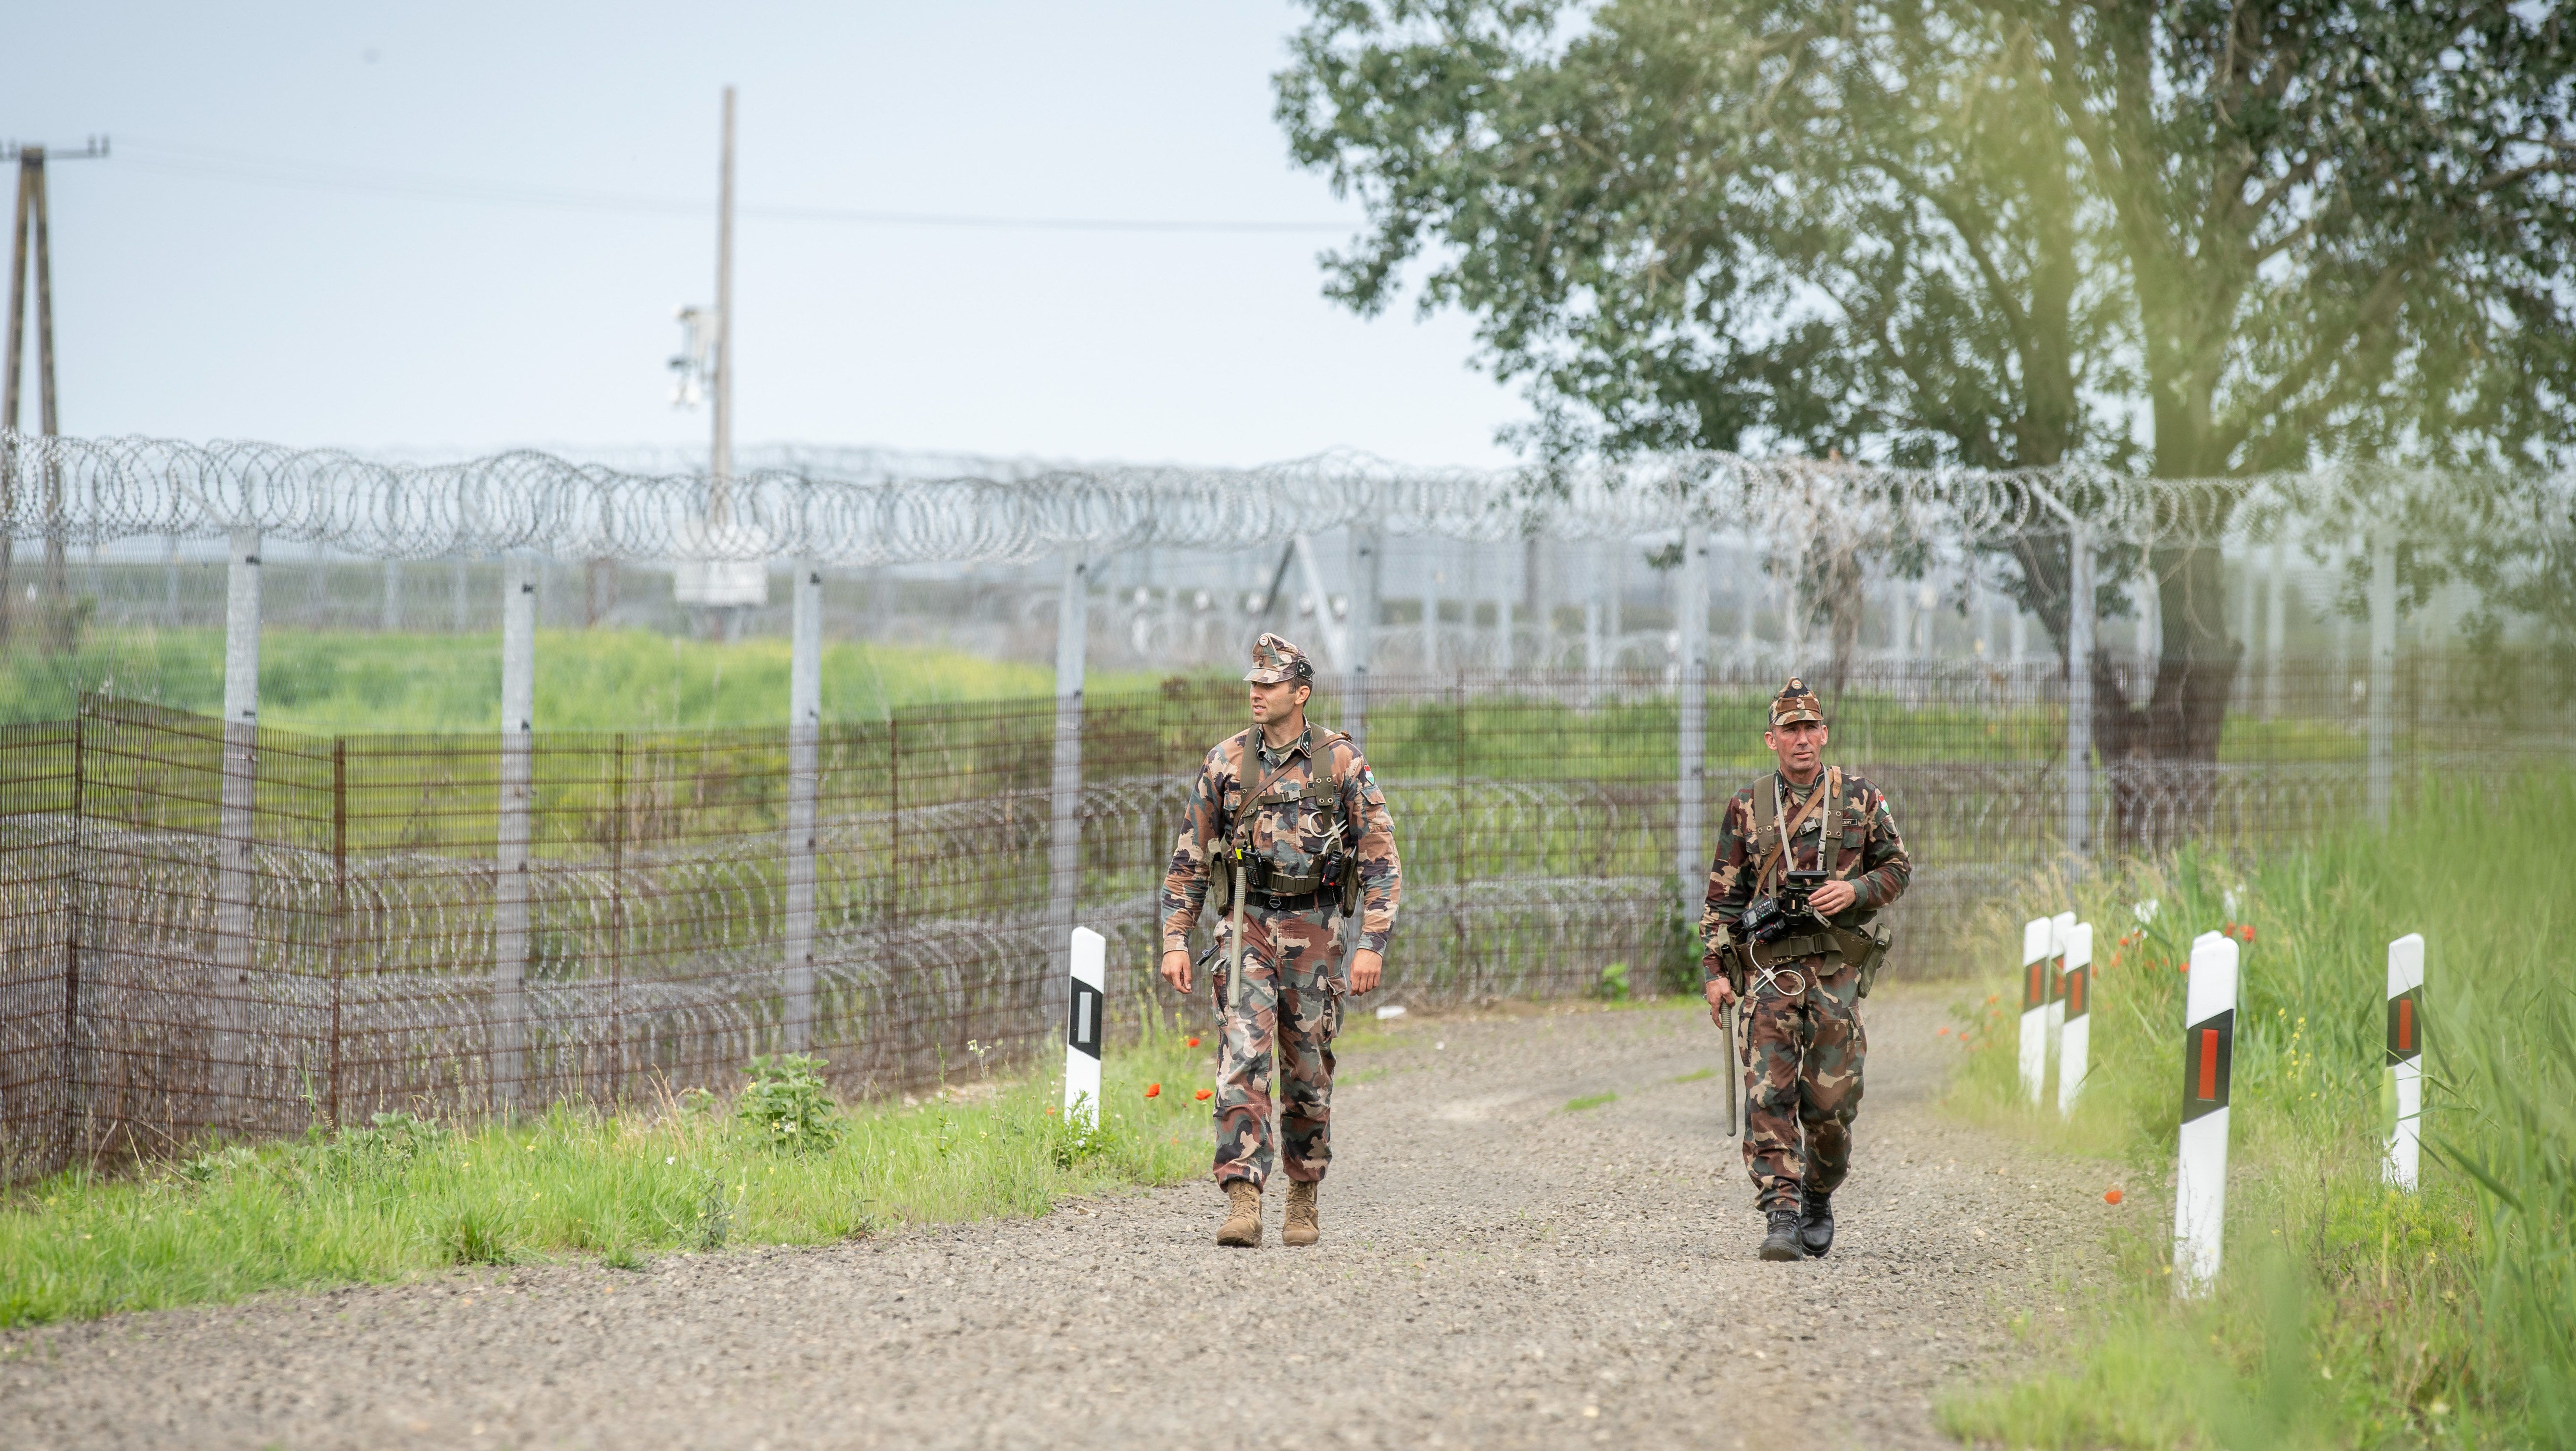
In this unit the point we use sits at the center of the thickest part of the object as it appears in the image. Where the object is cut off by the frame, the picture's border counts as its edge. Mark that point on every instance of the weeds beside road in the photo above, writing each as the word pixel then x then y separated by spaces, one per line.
pixel 2349 1314
pixel 399 1196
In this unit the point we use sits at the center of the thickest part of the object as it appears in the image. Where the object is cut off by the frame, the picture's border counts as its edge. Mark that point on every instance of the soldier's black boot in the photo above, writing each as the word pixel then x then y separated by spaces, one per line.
pixel 1816 1222
pixel 1782 1242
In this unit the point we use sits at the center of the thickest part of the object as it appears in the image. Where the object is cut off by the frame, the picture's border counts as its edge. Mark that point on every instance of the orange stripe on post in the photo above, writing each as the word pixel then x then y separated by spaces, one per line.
pixel 2209 1065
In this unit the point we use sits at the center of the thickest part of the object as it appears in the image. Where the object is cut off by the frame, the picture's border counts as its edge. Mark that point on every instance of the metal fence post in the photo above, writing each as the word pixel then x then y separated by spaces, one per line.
pixel 510 887
pixel 1367 575
pixel 1430 580
pixel 2079 693
pixel 617 923
pixel 2274 587
pixel 75 1064
pixel 804 722
pixel 339 905
pixel 1690 863
pixel 236 946
pixel 1064 842
pixel 2383 674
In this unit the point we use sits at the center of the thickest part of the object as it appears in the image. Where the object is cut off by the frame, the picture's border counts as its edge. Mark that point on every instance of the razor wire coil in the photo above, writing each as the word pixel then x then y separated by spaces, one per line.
pixel 854 507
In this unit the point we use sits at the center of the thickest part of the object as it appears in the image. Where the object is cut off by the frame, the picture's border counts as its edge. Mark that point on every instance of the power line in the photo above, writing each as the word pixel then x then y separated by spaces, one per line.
pixel 179 159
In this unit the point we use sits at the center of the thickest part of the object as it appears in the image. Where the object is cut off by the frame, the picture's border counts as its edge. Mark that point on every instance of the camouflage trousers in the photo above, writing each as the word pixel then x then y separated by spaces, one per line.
pixel 1291 1006
pixel 1802 1067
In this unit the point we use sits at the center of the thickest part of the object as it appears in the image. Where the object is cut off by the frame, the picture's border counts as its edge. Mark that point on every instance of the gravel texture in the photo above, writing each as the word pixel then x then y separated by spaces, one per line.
pixel 1497 1269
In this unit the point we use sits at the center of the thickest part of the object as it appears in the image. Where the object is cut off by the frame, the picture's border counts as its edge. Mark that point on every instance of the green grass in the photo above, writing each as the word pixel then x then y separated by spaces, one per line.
pixel 384 1203
pixel 2348 1314
pixel 364 682
pixel 1589 1100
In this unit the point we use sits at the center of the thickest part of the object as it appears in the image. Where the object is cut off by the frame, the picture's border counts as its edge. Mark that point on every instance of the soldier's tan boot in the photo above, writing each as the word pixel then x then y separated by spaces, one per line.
pixel 1302 1227
pixel 1242 1227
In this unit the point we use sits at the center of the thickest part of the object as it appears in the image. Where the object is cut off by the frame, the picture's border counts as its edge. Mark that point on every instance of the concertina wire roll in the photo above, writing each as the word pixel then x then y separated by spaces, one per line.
pixel 867 507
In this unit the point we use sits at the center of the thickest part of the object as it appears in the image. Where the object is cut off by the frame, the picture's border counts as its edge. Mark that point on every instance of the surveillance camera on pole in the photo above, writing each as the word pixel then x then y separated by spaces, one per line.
pixel 716 568
pixel 694 364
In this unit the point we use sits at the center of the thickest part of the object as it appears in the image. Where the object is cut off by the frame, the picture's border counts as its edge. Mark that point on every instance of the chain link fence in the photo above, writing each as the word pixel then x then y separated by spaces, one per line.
pixel 161 979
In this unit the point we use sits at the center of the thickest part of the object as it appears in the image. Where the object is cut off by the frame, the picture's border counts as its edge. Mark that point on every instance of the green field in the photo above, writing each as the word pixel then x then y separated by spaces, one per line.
pixel 374 683
pixel 383 1202
pixel 365 683
pixel 2348 1314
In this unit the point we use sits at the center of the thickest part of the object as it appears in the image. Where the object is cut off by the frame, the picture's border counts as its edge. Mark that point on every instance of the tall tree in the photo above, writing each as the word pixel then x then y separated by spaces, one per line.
pixel 2203 239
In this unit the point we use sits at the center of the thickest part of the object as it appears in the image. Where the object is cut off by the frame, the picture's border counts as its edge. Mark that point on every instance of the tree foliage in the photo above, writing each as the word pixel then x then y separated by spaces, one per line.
pixel 2197 239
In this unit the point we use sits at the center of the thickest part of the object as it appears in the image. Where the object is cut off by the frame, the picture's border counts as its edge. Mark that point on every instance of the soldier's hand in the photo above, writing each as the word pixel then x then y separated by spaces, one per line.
pixel 1176 969
pixel 1366 968
pixel 1720 993
pixel 1833 896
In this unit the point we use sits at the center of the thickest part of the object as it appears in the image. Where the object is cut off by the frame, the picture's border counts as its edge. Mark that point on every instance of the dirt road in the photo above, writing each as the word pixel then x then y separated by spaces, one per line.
pixel 1498 1269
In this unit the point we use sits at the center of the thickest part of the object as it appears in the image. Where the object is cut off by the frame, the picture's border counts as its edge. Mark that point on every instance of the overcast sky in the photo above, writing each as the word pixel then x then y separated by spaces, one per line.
pixel 371 225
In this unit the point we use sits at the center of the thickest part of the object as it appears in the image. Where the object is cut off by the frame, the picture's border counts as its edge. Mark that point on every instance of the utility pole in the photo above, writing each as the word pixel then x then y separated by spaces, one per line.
pixel 29 231
pixel 724 589
pixel 720 463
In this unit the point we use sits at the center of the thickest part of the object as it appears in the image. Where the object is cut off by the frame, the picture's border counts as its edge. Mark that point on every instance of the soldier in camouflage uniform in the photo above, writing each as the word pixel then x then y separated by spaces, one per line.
pixel 1290 811
pixel 1803 1043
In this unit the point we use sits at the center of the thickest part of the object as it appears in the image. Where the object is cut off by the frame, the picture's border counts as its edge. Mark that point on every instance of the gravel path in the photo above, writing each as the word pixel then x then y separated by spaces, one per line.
pixel 1497 1270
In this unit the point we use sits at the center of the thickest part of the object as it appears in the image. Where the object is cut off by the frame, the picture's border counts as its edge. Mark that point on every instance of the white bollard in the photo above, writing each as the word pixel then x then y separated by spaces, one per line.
pixel 2075 1000
pixel 2208 1056
pixel 2061 931
pixel 1087 998
pixel 2405 1058
pixel 2034 1006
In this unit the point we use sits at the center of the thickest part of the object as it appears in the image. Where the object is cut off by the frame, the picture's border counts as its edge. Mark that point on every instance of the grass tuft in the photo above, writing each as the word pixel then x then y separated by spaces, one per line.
pixel 400 1196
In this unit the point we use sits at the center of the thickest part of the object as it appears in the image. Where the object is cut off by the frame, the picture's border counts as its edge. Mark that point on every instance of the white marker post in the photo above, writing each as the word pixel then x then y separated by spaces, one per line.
pixel 2061 930
pixel 2208 1055
pixel 2034 1006
pixel 2075 999
pixel 1086 997
pixel 2405 1058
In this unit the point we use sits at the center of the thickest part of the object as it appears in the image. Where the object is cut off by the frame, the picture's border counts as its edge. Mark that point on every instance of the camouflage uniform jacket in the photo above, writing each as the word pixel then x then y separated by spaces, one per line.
pixel 1291 834
pixel 1867 849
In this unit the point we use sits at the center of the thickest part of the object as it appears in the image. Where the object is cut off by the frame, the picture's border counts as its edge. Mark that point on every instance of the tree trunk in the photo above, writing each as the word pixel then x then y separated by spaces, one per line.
pixel 2162 754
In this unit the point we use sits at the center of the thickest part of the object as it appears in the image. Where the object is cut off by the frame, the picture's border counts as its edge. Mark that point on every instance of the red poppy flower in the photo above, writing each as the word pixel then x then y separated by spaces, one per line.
pixel 1944 1033
pixel 1205 1094
pixel 2111 1196
pixel 1153 1090
pixel 1194 1042
pixel 2246 931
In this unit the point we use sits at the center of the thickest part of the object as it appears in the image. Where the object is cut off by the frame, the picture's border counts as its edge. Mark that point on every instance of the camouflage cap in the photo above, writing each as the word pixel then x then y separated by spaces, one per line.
pixel 1796 702
pixel 1275 660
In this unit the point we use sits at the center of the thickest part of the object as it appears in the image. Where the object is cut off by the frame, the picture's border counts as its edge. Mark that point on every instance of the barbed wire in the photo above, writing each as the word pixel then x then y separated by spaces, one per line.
pixel 867 506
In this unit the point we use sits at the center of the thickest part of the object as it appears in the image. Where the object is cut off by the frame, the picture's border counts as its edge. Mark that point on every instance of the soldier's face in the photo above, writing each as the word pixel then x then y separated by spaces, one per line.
pixel 1799 745
pixel 1274 702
